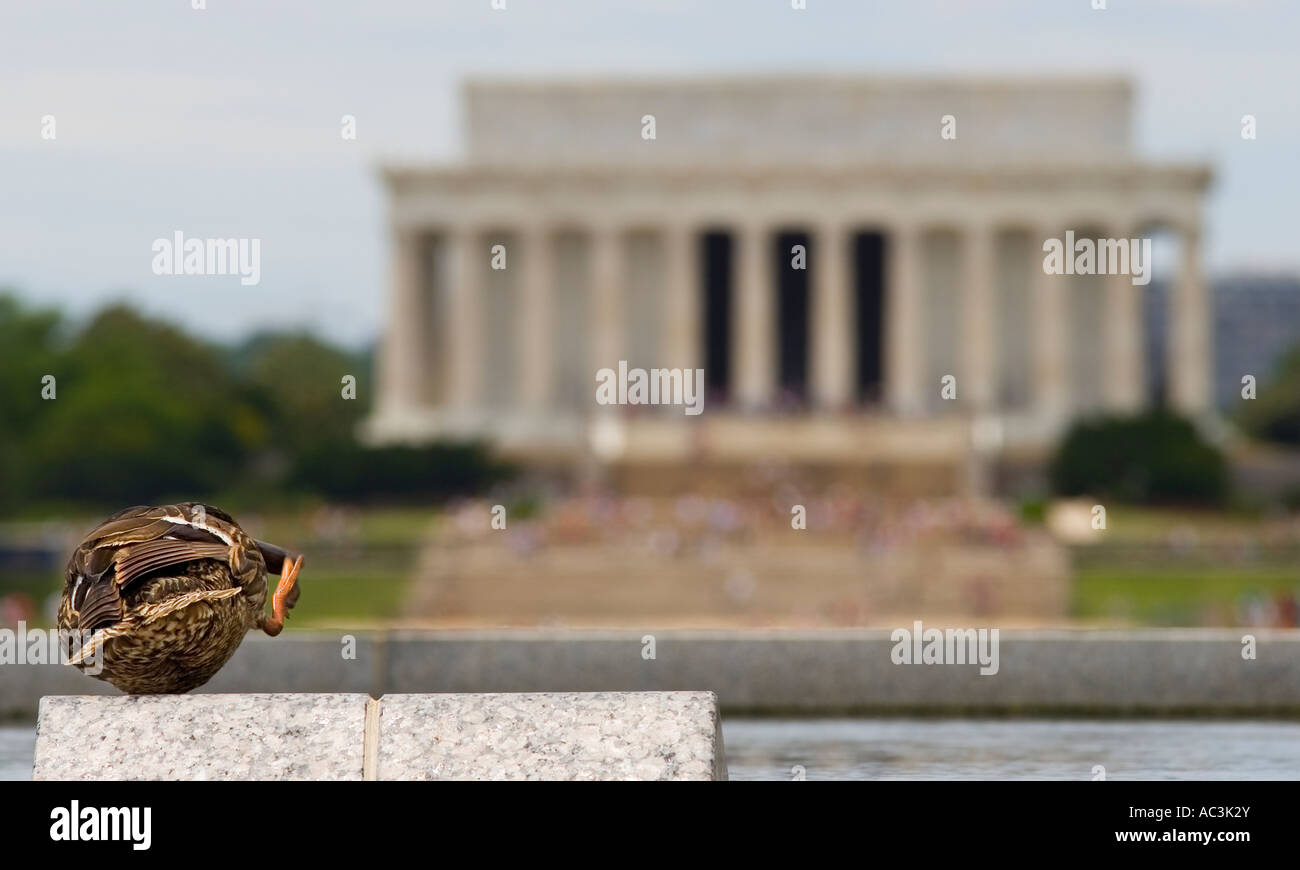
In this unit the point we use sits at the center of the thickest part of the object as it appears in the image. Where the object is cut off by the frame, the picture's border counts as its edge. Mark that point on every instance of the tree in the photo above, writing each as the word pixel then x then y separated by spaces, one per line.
pixel 27 340
pixel 144 412
pixel 297 379
pixel 1275 414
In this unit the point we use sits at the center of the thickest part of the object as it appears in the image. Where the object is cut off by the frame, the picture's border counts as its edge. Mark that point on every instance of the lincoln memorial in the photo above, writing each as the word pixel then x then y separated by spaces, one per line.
pixel 856 264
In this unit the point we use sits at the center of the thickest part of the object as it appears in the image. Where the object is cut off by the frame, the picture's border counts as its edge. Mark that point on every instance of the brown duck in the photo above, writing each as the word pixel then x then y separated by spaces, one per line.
pixel 168 593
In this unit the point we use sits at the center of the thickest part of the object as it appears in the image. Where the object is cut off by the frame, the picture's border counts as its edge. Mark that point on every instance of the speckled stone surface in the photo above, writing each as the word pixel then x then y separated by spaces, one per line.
pixel 564 736
pixel 201 737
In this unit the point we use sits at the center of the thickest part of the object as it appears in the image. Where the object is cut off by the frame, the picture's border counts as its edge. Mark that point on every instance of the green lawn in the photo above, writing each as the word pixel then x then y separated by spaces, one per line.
pixel 1174 594
pixel 361 580
pixel 1140 581
pixel 374 527
pixel 342 598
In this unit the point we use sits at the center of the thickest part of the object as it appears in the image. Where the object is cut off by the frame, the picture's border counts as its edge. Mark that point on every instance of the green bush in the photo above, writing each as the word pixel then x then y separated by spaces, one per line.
pixel 1152 458
pixel 351 472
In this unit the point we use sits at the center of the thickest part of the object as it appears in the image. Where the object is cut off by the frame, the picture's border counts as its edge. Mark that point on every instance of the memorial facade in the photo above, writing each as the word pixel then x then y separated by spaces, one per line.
pixel 856 264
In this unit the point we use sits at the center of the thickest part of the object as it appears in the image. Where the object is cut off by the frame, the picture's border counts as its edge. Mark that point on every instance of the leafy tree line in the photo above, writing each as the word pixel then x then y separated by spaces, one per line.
pixel 139 411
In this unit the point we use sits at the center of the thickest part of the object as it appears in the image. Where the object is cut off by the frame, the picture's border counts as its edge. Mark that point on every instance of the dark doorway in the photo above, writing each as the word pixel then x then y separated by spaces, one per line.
pixel 793 258
pixel 869 289
pixel 717 262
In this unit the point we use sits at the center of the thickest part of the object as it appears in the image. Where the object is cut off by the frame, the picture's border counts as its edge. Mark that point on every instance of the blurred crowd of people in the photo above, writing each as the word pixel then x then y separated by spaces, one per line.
pixel 675 526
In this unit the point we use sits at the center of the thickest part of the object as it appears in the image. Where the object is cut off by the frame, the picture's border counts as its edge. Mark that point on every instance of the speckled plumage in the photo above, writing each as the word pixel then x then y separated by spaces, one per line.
pixel 169 593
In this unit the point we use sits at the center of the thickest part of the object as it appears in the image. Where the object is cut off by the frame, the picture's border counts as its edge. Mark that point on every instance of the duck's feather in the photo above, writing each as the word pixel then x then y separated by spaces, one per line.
pixel 141 541
pixel 148 556
pixel 100 605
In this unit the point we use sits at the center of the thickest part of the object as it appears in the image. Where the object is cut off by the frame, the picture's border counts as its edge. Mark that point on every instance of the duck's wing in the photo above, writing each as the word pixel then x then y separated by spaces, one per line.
pixel 140 541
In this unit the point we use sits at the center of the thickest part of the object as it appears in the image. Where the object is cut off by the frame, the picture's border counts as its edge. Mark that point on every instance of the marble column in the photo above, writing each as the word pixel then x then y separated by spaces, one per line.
pixel 832 318
pixel 682 303
pixel 606 343
pixel 466 259
pixel 534 326
pixel 753 321
pixel 1191 353
pixel 979 307
pixel 1124 370
pixel 402 369
pixel 1051 348
pixel 905 369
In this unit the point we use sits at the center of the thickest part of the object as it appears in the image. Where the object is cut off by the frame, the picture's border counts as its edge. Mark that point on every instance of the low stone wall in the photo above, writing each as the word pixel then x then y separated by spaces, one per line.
pixel 1160 671
pixel 570 736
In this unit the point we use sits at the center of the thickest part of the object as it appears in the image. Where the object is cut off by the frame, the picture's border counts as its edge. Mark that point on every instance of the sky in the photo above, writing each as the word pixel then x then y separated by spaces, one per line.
pixel 224 122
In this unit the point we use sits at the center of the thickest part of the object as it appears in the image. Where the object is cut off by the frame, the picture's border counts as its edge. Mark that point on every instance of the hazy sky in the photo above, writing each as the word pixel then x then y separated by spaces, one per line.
pixel 225 122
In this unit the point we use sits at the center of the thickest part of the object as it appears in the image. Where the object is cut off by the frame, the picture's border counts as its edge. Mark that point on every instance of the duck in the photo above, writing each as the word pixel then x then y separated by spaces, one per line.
pixel 157 599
